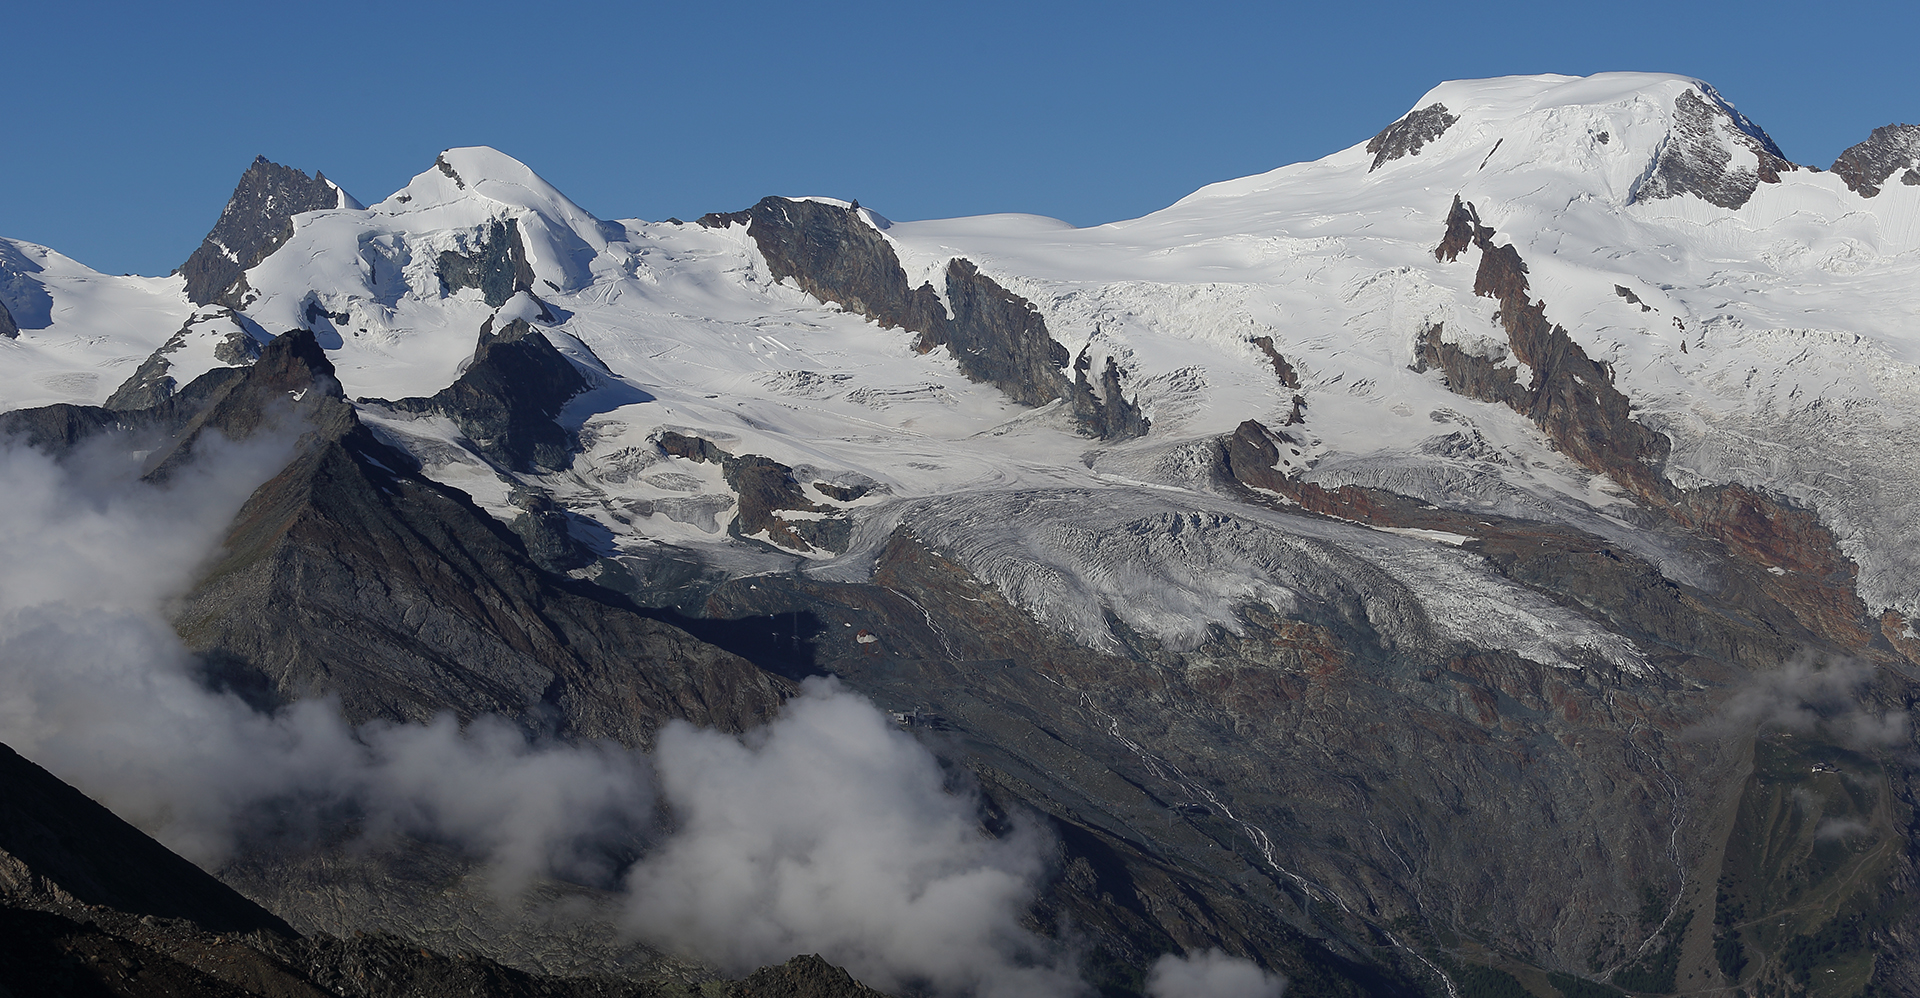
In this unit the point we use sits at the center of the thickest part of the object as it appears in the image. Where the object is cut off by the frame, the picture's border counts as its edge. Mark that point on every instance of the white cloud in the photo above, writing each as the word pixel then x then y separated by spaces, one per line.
pixel 828 831
pixel 1212 974
pixel 831 831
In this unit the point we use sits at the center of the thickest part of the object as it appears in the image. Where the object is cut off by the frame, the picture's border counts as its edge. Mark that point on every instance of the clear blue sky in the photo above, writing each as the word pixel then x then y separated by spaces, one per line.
pixel 127 124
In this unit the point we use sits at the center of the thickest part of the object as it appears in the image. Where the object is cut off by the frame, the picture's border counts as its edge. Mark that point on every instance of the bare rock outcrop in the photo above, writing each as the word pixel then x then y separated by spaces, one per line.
pixel 258 218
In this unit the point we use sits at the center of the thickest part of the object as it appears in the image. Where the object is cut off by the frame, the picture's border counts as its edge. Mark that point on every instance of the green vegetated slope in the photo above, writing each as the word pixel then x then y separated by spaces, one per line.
pixel 1804 881
pixel 1803 890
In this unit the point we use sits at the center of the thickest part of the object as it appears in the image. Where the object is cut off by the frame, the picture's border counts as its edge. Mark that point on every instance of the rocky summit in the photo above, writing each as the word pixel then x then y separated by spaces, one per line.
pixel 1478 562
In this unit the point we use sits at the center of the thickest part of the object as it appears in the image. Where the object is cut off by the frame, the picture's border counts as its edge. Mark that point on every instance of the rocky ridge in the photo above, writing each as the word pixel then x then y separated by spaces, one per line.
pixel 257 220
pixel 837 255
pixel 91 906
pixel 1890 150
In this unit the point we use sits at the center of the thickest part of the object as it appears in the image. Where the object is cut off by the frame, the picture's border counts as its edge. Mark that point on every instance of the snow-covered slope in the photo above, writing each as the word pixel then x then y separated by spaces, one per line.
pixel 1762 316
pixel 81 332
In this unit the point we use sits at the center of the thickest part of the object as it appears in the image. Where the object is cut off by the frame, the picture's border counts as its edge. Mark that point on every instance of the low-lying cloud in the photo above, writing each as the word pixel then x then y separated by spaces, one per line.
pixel 827 831
pixel 1810 696
pixel 1212 974
pixel 831 831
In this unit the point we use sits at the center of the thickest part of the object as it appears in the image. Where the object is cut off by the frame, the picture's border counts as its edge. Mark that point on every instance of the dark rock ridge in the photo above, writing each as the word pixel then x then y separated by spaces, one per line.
pixel 348 573
pixel 90 906
pixel 832 253
pixel 1697 158
pixel 258 218
pixel 766 487
pixel 544 528
pixel 1891 149
pixel 1573 399
pixel 998 337
pixel 1103 411
pixel 8 328
pixel 152 383
pixel 802 977
pixel 57 844
pixel 1406 136
pixel 497 265
pixel 995 336
pixel 507 399
pixel 1281 369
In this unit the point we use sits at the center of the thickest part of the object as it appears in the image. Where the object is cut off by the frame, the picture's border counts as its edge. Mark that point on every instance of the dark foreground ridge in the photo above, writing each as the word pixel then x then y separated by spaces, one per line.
pixel 90 906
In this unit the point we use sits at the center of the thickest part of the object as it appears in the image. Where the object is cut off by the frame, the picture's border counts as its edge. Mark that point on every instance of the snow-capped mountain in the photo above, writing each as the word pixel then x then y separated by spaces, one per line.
pixel 1547 415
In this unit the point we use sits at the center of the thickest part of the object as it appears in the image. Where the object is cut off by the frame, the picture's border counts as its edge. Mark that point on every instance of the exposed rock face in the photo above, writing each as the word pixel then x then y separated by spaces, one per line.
pixel 1891 149
pixel 999 337
pixel 497 265
pixel 802 977
pixel 1573 399
pixel 1315 720
pixel 544 529
pixel 834 255
pixel 1699 156
pixel 8 328
pixel 257 219
pixel 995 336
pixel 350 574
pixel 508 397
pixel 1463 230
pixel 57 428
pixel 766 488
pixel 1406 136
pixel 152 383
pixel 1281 369
pixel 1104 412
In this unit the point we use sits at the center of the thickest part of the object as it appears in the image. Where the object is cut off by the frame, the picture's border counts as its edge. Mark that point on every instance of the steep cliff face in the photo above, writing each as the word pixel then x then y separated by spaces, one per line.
pixel 995 336
pixel 1406 136
pixel 57 845
pixel 1892 150
pixel 256 221
pixel 999 337
pixel 89 905
pixel 507 399
pixel 349 574
pixel 1573 399
pixel 496 265
pixel 216 331
pixel 835 255
pixel 1701 156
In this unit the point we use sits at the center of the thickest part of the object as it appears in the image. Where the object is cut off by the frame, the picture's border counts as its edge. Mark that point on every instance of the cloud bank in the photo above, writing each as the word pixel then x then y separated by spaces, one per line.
pixel 828 831
pixel 1806 696
pixel 831 831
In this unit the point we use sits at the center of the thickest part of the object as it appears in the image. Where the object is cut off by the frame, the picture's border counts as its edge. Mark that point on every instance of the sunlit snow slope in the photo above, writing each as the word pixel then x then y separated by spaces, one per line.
pixel 1763 316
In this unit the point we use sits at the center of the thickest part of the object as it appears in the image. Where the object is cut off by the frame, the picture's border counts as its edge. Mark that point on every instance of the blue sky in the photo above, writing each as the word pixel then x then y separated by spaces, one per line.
pixel 127 124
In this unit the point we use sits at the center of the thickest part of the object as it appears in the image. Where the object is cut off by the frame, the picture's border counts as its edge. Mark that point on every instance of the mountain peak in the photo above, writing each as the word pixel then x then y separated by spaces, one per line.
pixel 491 178
pixel 1643 136
pixel 257 219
